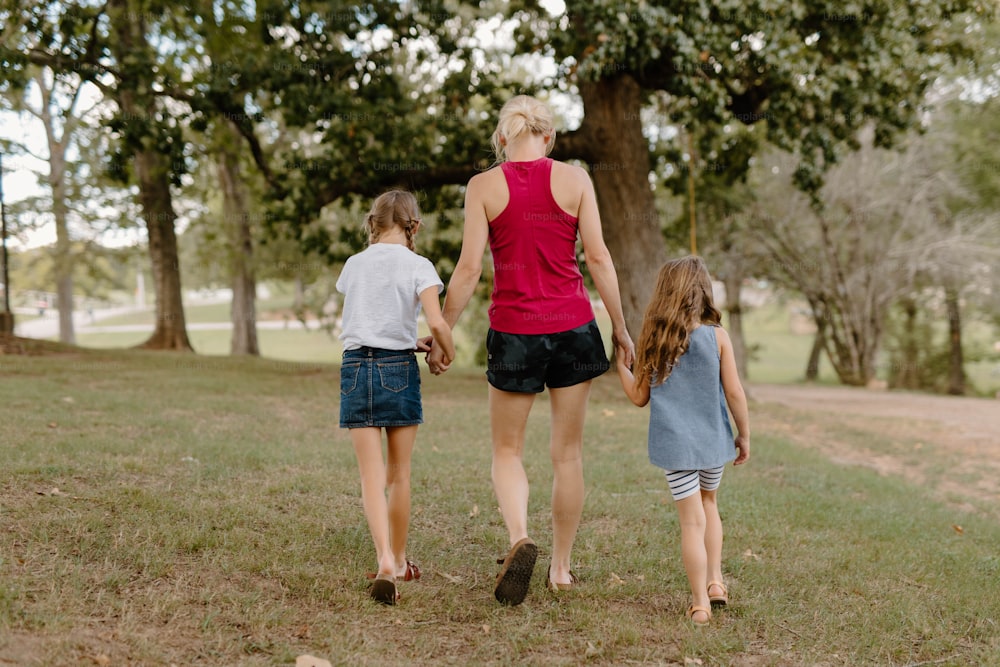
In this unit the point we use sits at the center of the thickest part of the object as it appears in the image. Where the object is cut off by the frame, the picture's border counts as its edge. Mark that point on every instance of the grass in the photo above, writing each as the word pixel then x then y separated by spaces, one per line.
pixel 166 509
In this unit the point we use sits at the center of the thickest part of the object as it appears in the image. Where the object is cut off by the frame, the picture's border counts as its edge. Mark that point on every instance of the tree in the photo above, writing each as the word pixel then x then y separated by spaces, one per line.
pixel 812 73
pixel 109 46
pixel 57 111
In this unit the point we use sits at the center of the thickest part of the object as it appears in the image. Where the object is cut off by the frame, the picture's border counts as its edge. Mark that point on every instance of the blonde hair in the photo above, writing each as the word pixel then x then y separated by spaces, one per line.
pixel 393 208
pixel 519 115
pixel 681 301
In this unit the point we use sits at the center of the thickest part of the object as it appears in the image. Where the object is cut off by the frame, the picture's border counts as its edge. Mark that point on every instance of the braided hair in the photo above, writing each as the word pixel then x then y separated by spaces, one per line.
pixel 390 209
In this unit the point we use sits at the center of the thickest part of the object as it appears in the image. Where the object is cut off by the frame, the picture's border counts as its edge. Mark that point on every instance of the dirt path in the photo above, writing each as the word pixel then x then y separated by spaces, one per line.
pixel 897 433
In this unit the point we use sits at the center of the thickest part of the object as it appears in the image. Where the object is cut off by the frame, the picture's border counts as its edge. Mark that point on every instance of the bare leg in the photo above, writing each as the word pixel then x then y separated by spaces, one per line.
pixel 569 408
pixel 397 481
pixel 691 513
pixel 368 450
pixel 713 536
pixel 508 421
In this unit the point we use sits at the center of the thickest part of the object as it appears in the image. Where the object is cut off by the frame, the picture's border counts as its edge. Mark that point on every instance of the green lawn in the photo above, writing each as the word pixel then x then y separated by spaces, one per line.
pixel 162 508
pixel 777 354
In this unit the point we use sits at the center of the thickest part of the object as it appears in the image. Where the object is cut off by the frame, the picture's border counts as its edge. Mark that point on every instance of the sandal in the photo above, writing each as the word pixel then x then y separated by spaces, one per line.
pixel 720 600
pixel 696 609
pixel 384 589
pixel 561 588
pixel 412 572
pixel 515 576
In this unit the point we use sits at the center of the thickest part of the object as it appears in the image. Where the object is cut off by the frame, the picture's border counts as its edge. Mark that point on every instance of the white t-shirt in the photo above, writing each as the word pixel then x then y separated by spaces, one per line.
pixel 381 287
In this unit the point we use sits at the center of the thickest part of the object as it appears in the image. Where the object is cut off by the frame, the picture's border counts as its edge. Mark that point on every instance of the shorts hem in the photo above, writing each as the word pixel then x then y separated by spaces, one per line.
pixel 581 380
pixel 514 391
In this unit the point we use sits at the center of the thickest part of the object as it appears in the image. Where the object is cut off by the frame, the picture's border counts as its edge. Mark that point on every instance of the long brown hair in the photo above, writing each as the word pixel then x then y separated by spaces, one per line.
pixel 681 301
pixel 395 207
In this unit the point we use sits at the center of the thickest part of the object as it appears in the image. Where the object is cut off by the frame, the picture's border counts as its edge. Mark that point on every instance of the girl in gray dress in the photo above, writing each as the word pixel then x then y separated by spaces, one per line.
pixel 684 368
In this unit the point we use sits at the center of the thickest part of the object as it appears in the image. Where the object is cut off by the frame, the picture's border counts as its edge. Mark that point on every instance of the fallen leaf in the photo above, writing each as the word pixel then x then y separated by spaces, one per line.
pixel 53 425
pixel 615 580
pixel 591 649
pixel 750 555
pixel 693 661
pixel 452 579
pixel 54 491
pixel 311 661
pixel 69 399
pixel 101 659
pixel 608 413
pixel 958 529
pixel 486 628
pixel 475 511
pixel 434 448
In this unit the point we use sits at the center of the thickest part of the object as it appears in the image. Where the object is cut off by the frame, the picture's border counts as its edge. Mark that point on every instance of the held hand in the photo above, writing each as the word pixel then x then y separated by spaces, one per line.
pixel 743 447
pixel 424 344
pixel 436 360
pixel 625 348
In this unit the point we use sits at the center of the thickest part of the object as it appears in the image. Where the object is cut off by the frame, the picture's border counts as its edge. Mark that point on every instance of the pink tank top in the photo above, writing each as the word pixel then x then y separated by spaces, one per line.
pixel 537 285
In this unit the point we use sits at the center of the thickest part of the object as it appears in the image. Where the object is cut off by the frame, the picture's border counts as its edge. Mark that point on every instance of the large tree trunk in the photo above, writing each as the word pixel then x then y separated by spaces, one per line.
pixel 618 155
pixel 956 361
pixel 234 212
pixel 152 171
pixel 170 332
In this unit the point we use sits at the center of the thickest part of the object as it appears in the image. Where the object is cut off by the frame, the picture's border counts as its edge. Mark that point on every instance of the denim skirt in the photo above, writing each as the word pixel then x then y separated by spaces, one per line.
pixel 379 388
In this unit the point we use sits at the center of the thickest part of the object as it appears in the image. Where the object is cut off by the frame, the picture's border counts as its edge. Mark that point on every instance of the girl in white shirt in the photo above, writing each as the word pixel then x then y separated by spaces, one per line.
pixel 384 287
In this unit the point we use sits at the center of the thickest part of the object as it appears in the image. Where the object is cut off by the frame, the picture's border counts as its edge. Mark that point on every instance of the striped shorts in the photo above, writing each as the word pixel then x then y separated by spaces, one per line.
pixel 684 483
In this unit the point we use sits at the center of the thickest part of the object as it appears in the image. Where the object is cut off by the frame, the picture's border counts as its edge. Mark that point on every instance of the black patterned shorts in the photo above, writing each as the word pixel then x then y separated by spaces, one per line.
pixel 526 363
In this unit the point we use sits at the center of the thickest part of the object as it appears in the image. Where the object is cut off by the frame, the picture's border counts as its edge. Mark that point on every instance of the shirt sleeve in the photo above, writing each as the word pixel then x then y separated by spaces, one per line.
pixel 426 276
pixel 343 277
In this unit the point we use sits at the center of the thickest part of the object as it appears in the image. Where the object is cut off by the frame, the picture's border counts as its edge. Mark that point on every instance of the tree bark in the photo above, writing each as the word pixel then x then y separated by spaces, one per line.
pixel 618 155
pixel 236 218
pixel 956 360
pixel 170 332
pixel 905 374
pixel 816 353
pixel 732 278
pixel 152 171
pixel 64 259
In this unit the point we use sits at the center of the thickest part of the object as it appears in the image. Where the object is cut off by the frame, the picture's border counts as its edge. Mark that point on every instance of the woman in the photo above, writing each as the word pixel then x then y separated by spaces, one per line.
pixel 542 329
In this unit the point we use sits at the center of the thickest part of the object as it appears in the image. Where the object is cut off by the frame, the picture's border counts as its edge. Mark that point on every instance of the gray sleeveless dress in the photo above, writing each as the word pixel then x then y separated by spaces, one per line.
pixel 688 423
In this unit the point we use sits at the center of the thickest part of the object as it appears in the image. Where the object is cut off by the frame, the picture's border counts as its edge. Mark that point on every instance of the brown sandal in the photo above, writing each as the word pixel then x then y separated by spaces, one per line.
pixel 694 609
pixel 412 572
pixel 515 575
pixel 561 588
pixel 720 600
pixel 384 589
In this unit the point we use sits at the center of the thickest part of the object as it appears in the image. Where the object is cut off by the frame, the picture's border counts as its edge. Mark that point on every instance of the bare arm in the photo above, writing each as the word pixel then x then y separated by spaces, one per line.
pixel 469 268
pixel 638 394
pixel 735 396
pixel 436 322
pixel 601 267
